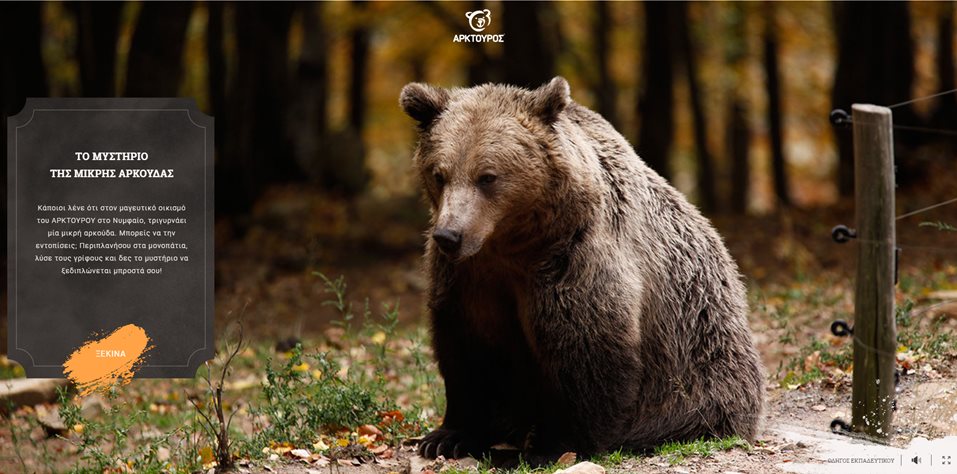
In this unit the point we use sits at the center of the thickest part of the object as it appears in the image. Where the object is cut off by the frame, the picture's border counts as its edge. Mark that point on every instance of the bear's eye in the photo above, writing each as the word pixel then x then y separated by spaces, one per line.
pixel 439 179
pixel 487 179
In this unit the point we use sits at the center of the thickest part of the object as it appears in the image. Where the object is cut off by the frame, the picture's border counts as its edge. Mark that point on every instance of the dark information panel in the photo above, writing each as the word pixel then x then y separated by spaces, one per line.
pixel 110 224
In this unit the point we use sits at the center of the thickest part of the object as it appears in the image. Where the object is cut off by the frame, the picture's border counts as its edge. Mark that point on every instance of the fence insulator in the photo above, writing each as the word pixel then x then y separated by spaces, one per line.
pixel 840 118
pixel 839 426
pixel 842 234
pixel 840 328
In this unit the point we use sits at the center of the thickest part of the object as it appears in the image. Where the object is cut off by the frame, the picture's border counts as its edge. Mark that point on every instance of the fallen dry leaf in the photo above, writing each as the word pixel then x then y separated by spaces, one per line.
pixel 812 361
pixel 392 416
pixel 370 430
pixel 567 459
pixel 206 454
pixel 300 453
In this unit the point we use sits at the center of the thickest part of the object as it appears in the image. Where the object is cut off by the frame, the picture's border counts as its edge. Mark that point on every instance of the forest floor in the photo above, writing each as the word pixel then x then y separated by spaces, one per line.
pixel 364 383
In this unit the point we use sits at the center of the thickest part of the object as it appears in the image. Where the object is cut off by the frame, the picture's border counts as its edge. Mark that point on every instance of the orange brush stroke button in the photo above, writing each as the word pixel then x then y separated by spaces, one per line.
pixel 101 363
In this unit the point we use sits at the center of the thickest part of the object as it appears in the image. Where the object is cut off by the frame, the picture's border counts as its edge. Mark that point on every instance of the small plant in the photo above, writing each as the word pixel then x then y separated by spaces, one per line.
pixel 614 458
pixel 103 445
pixel 380 333
pixel 939 225
pixel 425 373
pixel 20 430
pixel 806 366
pixel 902 314
pixel 308 397
pixel 212 418
pixel 301 404
pixel 932 341
pixel 337 288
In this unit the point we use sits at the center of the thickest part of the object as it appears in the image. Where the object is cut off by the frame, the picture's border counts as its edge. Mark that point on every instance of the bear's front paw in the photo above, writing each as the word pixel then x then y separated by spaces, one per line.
pixel 452 444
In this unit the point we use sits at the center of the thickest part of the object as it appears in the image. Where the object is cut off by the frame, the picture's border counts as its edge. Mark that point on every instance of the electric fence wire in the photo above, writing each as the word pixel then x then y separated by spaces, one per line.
pixel 928 208
pixel 935 131
pixel 921 248
pixel 919 99
pixel 925 130
pixel 909 128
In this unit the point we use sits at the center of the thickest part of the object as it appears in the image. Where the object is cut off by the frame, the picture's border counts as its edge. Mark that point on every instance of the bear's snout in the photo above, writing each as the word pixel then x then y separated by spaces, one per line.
pixel 448 240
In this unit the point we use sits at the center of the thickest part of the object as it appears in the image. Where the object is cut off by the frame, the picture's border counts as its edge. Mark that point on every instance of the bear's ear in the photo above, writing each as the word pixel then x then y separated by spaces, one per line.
pixel 551 99
pixel 423 102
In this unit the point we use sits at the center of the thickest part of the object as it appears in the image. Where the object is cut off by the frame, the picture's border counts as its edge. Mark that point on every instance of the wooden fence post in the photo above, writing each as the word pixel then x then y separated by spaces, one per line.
pixel 875 334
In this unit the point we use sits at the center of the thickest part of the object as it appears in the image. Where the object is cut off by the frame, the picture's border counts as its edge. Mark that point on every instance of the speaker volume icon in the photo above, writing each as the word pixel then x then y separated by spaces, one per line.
pixel 915 459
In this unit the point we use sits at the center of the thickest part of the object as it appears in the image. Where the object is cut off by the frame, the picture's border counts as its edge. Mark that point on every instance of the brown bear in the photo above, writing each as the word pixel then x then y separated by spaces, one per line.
pixel 578 301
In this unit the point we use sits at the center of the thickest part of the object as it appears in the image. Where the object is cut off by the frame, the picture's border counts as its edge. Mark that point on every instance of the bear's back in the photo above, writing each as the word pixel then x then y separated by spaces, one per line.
pixel 690 280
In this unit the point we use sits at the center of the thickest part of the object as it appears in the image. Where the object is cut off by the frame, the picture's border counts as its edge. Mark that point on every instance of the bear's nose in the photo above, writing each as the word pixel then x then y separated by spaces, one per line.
pixel 449 240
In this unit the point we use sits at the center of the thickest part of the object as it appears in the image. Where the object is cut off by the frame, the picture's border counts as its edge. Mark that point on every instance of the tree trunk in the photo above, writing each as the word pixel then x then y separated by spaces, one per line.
pixel 309 124
pixel 875 64
pixel 607 91
pixel 343 168
pixel 655 108
pixel 229 177
pixel 945 112
pixel 359 68
pixel 739 139
pixel 216 57
pixel 156 50
pixel 257 150
pixel 707 199
pixel 314 67
pixel 529 53
pixel 98 29
pixel 773 85
pixel 22 75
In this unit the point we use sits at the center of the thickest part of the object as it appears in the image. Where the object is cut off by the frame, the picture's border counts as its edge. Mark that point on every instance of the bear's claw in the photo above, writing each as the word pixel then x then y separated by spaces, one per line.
pixel 452 444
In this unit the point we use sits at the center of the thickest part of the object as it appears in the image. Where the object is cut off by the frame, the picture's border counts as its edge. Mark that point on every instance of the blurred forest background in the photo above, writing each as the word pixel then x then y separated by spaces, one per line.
pixel 728 100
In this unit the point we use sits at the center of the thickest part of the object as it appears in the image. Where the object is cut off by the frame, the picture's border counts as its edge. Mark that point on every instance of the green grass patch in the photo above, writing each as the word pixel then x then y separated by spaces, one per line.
pixel 922 337
pixel 610 459
pixel 677 452
pixel 808 365
pixel 931 338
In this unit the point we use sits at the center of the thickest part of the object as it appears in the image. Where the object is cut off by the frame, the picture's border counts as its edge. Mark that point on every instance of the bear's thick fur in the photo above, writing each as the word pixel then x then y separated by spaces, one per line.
pixel 578 301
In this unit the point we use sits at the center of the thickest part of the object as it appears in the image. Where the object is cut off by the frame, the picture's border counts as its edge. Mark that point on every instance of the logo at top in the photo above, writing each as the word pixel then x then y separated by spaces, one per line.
pixel 479 19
